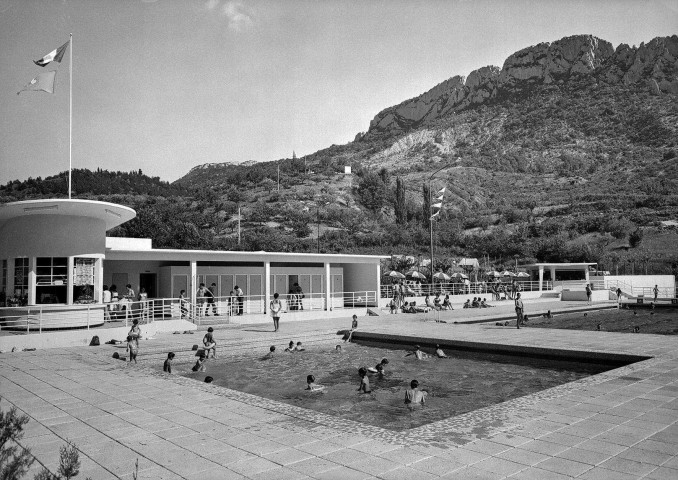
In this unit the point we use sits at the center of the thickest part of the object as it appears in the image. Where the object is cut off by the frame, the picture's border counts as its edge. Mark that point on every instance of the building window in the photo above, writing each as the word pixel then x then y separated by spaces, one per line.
pixel 83 280
pixel 20 282
pixel 51 280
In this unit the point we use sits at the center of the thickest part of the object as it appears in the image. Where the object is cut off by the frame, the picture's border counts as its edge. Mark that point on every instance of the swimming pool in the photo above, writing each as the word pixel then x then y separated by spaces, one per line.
pixel 464 382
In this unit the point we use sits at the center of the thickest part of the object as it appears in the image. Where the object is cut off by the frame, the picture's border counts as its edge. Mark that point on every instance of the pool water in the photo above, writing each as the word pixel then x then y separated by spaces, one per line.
pixel 464 382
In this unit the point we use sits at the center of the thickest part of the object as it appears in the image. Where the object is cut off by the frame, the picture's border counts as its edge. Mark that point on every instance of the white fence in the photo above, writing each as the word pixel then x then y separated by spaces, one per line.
pixel 39 318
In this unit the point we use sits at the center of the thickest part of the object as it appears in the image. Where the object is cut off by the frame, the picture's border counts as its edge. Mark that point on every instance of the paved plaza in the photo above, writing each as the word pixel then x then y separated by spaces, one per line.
pixel 620 424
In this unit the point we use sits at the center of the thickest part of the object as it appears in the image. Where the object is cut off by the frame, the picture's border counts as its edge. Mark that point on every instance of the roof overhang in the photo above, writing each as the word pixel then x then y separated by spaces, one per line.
pixel 111 213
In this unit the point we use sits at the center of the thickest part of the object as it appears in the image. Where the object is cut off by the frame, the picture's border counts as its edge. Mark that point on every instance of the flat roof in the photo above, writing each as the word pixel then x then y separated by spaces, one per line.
pixel 238 256
pixel 581 264
pixel 111 213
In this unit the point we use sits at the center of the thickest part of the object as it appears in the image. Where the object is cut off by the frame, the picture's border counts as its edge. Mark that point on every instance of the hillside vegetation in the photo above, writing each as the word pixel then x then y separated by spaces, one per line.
pixel 583 168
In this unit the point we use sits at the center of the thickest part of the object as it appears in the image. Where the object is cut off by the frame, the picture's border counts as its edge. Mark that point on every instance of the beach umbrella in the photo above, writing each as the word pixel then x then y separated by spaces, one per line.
pixel 416 274
pixel 493 273
pixel 459 275
pixel 441 276
pixel 506 273
pixel 523 274
pixel 395 274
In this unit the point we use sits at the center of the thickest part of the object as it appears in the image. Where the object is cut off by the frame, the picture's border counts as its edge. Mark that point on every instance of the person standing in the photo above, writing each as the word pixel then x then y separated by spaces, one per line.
pixel 106 298
pixel 655 290
pixel 241 299
pixel 588 293
pixel 201 296
pixel 276 308
pixel 300 295
pixel 519 310
pixel 211 302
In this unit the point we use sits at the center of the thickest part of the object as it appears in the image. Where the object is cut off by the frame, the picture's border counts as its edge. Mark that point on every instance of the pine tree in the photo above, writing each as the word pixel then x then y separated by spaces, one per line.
pixel 400 206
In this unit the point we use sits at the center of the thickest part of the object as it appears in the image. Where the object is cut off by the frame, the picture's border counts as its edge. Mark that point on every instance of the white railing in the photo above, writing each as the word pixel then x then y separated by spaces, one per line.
pixel 36 319
pixel 474 288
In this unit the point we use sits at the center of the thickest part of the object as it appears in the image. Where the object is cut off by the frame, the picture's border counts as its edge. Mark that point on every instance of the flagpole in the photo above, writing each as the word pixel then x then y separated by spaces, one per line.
pixel 70 119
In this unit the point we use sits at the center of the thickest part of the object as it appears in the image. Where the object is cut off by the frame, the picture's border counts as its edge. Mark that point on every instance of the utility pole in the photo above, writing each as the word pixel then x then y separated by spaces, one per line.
pixel 238 224
pixel 430 218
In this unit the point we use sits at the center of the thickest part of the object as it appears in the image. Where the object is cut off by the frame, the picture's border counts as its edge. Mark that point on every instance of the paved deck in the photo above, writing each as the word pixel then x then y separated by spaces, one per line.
pixel 621 424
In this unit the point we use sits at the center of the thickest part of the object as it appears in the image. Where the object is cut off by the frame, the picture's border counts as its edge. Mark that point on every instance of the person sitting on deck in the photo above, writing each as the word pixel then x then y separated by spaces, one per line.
pixel 446 303
pixel 436 302
pixel 475 303
pixel 467 304
pixel 483 304
pixel 428 303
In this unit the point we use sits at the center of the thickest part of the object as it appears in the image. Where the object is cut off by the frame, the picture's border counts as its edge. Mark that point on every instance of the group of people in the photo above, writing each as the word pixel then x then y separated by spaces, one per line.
pixel 116 304
pixel 477 303
pixel 206 299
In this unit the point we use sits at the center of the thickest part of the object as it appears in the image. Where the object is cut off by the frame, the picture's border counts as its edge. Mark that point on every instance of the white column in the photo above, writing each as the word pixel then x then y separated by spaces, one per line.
pixel 586 274
pixel 98 279
pixel 191 282
pixel 378 285
pixel 267 285
pixel 31 281
pixel 541 277
pixel 553 275
pixel 328 286
pixel 69 280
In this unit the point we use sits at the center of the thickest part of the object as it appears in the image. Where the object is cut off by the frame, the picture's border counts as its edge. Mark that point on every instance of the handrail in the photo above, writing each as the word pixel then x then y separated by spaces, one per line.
pixel 477 288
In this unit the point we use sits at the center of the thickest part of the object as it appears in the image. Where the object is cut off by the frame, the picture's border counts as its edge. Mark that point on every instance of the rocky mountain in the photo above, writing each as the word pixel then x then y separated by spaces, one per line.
pixel 654 64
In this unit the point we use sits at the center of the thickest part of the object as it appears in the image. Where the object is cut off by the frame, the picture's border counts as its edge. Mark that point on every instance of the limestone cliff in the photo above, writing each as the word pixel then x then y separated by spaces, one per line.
pixel 653 65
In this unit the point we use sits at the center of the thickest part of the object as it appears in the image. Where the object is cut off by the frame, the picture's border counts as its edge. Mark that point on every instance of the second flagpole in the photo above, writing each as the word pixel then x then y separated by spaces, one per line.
pixel 70 118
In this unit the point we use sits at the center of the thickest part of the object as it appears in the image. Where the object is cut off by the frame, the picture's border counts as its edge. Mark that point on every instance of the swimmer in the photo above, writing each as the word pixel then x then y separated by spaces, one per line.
pixel 167 366
pixel 208 379
pixel 311 385
pixel 200 363
pixel 440 353
pixel 337 349
pixel 299 348
pixel 290 347
pixel 364 381
pixel 354 327
pixel 413 395
pixel 418 353
pixel 271 352
pixel 379 368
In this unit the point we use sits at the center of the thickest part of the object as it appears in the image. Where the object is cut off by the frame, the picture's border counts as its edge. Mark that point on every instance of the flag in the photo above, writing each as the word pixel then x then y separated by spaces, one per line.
pixel 53 56
pixel 437 205
pixel 434 215
pixel 442 192
pixel 43 82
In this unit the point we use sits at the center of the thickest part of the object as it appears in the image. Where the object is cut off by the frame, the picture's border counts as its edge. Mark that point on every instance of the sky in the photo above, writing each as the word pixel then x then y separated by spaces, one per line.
pixel 167 85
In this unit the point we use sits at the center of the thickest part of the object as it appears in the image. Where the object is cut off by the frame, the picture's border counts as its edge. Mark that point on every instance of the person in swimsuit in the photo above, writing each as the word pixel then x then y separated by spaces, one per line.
pixel 167 367
pixel 311 385
pixel 440 353
pixel 413 395
pixel 354 327
pixel 364 381
pixel 209 343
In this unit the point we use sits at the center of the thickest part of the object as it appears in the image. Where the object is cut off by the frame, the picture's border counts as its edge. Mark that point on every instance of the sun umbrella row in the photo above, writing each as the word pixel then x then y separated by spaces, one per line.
pixel 444 277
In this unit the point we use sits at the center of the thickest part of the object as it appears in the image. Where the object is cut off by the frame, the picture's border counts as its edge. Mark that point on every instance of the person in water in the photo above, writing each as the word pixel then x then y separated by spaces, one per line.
pixel 311 385
pixel 440 353
pixel 364 381
pixel 418 353
pixel 413 395
pixel 290 347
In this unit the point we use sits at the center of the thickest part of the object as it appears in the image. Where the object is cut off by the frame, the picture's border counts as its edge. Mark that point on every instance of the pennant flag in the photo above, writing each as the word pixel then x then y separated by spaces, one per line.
pixel 53 56
pixel 437 205
pixel 440 197
pixel 434 215
pixel 442 192
pixel 43 82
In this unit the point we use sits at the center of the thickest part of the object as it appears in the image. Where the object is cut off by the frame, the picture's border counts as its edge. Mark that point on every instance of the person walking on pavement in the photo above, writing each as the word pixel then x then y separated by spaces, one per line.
pixel 519 310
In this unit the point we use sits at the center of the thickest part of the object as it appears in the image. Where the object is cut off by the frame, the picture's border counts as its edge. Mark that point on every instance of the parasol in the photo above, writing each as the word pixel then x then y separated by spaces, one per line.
pixel 442 276
pixel 395 274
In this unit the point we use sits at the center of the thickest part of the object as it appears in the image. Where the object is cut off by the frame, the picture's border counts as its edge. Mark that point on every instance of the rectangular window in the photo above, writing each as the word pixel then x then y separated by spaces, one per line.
pixel 51 279
pixel 83 280
pixel 21 279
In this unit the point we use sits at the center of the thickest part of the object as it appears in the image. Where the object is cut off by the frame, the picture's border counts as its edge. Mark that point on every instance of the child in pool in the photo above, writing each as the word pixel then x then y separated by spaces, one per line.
pixel 415 396
pixel 364 381
pixel 311 385
pixel 167 367
pixel 200 363
pixel 290 347
pixel 132 348
pixel 209 343
pixel 271 352
pixel 379 368
pixel 299 348
pixel 440 353
pixel 337 349
pixel 418 353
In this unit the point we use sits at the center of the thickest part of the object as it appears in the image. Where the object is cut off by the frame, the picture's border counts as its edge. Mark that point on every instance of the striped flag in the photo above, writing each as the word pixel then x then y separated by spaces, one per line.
pixel 43 82
pixel 439 204
pixel 53 56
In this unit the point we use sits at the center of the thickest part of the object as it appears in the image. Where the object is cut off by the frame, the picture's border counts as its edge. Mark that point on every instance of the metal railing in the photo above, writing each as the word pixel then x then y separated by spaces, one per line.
pixel 474 288
pixel 36 319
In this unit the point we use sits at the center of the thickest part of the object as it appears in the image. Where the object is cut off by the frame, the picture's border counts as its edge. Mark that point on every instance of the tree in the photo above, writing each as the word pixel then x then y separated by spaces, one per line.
pixel 400 206
pixel 372 191
pixel 636 237
pixel 268 184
